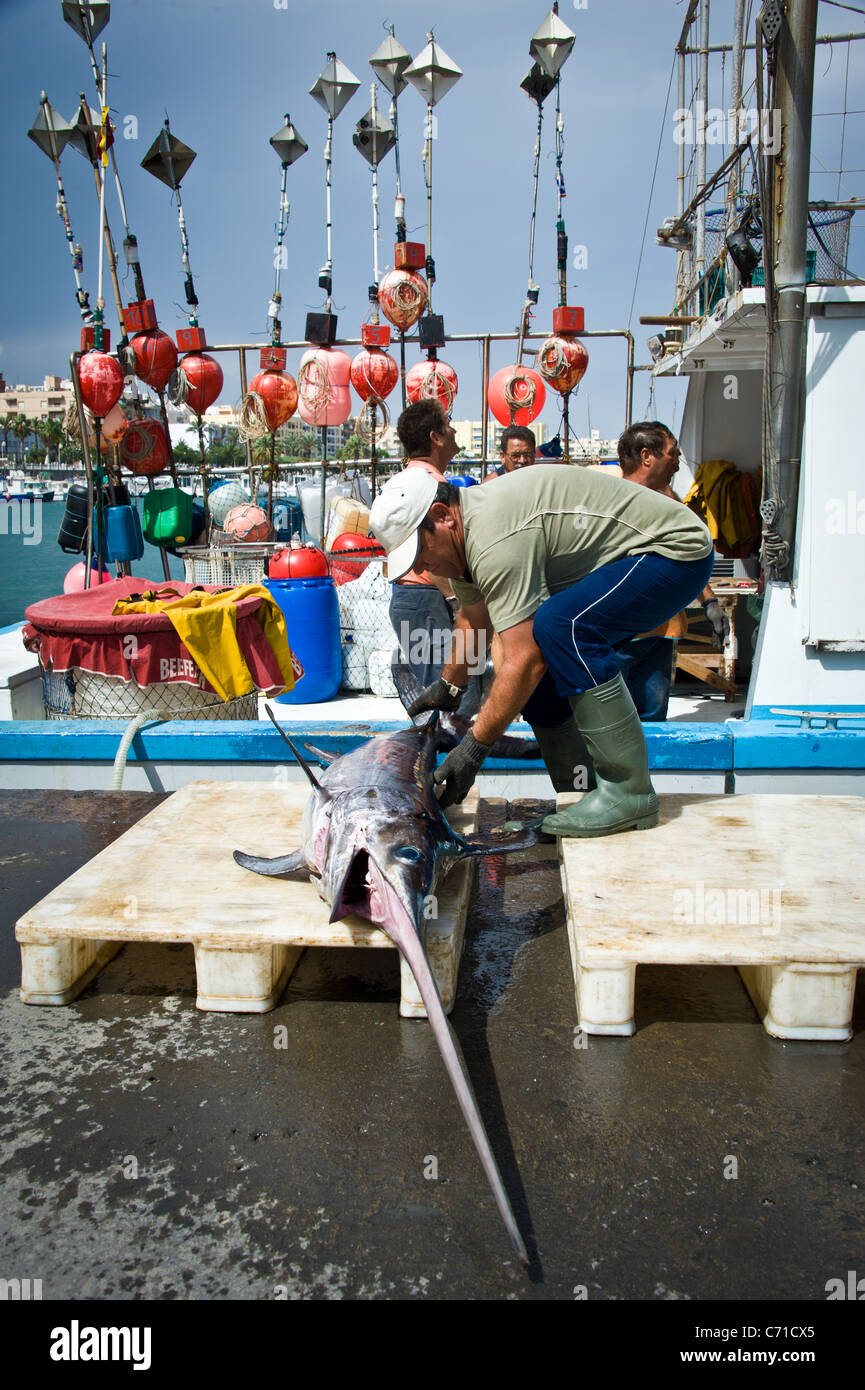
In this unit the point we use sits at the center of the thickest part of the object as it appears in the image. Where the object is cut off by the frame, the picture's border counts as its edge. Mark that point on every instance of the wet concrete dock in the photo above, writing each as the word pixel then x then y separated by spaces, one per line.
pixel 153 1151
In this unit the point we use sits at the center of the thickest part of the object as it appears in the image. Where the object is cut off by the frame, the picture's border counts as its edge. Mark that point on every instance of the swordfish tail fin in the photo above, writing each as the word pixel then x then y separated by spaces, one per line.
pixel 411 947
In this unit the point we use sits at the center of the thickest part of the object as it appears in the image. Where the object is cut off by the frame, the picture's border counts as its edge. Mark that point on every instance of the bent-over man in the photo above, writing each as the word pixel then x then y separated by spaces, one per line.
pixel 566 566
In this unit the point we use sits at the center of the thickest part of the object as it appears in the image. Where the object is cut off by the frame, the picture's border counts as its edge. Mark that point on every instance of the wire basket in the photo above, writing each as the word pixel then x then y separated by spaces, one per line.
pixel 228 566
pixel 80 694
pixel 826 246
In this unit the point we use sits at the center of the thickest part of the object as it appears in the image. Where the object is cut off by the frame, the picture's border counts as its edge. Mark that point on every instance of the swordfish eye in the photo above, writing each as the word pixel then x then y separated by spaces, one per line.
pixel 408 853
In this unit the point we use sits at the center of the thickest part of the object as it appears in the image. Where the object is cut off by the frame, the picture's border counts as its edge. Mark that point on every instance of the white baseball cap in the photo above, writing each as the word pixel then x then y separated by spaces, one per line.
pixel 396 514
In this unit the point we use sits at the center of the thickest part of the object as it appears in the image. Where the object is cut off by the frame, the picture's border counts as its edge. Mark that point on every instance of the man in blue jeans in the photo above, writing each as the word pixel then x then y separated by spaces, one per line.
pixel 566 565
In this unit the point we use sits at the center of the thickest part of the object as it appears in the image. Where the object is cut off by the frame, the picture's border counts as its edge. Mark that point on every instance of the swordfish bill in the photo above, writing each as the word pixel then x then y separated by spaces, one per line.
pixel 376 843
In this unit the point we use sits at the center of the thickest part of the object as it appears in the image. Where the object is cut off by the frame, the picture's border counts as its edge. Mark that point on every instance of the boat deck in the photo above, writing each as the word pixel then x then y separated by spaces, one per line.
pixel 152 1150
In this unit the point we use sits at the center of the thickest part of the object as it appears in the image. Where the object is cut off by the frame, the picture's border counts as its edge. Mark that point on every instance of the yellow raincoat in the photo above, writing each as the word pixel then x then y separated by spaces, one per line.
pixel 728 501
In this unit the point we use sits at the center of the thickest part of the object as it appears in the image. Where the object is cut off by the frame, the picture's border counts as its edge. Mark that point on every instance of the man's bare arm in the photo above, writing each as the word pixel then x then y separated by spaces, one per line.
pixel 521 669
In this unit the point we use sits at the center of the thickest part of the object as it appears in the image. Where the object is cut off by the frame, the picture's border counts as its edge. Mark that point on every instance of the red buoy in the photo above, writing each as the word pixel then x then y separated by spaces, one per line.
pixel 298 562
pixel 101 378
pixel 562 362
pixel 155 357
pixel 374 373
pixel 403 296
pixel 516 395
pixel 278 392
pixel 432 381
pixel 144 448
pixel 365 548
pixel 203 376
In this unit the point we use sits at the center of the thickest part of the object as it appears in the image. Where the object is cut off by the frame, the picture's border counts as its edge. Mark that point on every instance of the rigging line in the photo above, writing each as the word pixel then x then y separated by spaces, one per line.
pixel 651 191
pixel 535 193
pixel 854 9
pixel 843 124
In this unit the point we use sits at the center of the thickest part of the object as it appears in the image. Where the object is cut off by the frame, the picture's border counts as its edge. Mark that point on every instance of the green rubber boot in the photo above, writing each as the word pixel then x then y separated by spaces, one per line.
pixel 566 757
pixel 624 798
pixel 567 761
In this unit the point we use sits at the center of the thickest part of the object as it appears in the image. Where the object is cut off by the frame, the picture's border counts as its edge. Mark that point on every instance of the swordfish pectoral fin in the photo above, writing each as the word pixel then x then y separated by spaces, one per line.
pixel 412 949
pixel 529 837
pixel 291 866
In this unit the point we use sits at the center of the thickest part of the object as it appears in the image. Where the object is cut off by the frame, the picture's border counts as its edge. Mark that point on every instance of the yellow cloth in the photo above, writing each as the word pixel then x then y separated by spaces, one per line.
pixel 716 496
pixel 207 626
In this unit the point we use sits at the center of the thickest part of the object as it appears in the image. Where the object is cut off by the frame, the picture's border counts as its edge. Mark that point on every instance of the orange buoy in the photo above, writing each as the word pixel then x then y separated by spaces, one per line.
pixel 278 392
pixel 516 395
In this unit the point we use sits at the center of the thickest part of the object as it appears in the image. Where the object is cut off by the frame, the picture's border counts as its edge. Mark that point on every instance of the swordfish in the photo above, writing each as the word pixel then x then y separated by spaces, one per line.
pixel 376 843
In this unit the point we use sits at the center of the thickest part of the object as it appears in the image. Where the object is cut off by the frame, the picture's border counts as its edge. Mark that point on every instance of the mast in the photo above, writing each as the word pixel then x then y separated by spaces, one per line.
pixel 702 104
pixel 735 111
pixel 794 96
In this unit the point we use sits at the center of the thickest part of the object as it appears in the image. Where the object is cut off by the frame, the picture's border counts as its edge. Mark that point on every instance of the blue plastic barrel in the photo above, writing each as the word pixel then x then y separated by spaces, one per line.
pixel 123 533
pixel 312 622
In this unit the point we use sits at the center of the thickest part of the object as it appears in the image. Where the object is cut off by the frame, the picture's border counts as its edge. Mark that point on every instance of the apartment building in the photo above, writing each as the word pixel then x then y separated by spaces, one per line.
pixel 46 402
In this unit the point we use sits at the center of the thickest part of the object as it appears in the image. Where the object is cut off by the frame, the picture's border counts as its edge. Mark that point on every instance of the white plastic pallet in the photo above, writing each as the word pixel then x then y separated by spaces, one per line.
pixel 771 884
pixel 172 878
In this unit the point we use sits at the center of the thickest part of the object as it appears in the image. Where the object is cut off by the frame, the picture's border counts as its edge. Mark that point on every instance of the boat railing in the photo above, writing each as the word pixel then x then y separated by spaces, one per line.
pixel 374 461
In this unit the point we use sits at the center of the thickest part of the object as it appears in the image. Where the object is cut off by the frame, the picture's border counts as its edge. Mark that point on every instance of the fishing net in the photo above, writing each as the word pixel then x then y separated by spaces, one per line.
pixel 80 694
pixel 366 634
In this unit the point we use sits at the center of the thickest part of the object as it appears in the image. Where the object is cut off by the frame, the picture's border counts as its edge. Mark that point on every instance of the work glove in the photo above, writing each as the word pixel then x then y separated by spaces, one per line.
pixel 718 622
pixel 439 695
pixel 459 769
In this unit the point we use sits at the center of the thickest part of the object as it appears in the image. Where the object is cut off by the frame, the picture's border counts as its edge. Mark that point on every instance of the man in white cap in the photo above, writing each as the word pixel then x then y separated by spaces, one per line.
pixel 566 565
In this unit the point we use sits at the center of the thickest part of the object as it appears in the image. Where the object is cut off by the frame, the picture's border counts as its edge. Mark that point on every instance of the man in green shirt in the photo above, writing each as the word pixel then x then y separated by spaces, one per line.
pixel 566 565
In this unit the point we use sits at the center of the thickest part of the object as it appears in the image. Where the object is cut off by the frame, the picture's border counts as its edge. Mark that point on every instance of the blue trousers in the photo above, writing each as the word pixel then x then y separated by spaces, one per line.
pixel 647 667
pixel 581 630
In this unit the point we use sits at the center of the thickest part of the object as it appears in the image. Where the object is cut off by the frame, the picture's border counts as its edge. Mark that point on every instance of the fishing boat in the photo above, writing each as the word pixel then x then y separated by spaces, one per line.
pixel 759 283
pixel 716 335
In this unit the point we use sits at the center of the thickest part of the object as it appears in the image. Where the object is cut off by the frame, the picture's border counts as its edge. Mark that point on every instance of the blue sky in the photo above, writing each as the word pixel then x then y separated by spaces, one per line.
pixel 226 71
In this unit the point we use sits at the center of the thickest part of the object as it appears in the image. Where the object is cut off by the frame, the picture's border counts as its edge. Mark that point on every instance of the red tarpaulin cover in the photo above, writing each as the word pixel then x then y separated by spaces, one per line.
pixel 79 630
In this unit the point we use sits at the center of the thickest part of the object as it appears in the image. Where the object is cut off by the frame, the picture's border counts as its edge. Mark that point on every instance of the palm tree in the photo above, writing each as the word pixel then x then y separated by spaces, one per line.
pixel 51 433
pixel 6 430
pixel 307 445
pixel 22 428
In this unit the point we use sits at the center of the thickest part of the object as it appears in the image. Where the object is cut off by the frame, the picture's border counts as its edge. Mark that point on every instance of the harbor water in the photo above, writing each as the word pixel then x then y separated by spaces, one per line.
pixel 32 565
